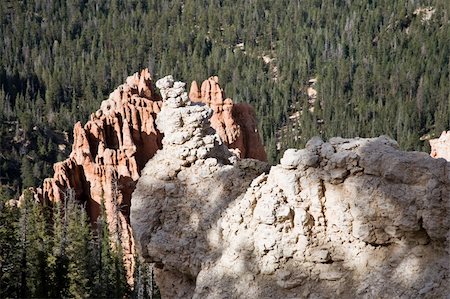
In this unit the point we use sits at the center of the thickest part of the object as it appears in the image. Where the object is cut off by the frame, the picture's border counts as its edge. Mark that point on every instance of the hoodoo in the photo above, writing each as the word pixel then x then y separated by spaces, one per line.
pixel 107 156
pixel 112 148
pixel 235 123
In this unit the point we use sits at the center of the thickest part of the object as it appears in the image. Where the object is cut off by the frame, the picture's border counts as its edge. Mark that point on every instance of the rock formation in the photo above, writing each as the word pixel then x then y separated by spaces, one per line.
pixel 235 123
pixel 193 164
pixel 107 156
pixel 347 218
pixel 111 149
pixel 440 147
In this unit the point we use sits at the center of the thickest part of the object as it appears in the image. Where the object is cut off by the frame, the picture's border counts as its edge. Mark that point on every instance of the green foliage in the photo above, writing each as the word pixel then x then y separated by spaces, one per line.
pixel 378 72
pixel 144 283
pixel 111 279
pixel 9 251
pixel 51 252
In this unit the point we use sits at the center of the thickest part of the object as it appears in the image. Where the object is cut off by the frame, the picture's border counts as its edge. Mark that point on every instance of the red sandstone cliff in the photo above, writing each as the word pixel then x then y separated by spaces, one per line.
pixel 108 154
pixel 112 148
pixel 235 123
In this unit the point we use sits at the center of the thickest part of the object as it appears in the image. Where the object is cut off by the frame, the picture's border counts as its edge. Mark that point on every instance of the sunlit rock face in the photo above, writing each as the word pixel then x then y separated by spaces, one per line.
pixel 440 147
pixel 107 156
pixel 347 218
pixel 235 124
pixel 111 149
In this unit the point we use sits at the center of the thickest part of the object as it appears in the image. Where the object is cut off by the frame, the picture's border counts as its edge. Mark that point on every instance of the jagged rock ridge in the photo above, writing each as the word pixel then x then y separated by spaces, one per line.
pixel 111 149
pixel 235 123
pixel 352 218
pixel 108 154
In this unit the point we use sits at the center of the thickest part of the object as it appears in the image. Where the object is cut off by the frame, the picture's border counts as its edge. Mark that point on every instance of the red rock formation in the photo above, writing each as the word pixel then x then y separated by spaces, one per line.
pixel 440 147
pixel 107 156
pixel 112 148
pixel 235 123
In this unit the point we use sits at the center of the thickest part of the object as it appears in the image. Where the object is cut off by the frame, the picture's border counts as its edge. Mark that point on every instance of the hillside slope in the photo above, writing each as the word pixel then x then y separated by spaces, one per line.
pixel 382 67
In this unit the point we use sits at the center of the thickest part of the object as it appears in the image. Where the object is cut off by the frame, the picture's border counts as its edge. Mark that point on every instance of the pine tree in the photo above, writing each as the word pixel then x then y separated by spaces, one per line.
pixel 111 281
pixel 80 251
pixel 9 250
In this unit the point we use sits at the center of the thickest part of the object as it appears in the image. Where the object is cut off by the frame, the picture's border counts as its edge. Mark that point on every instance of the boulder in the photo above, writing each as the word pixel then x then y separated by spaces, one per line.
pixel 347 218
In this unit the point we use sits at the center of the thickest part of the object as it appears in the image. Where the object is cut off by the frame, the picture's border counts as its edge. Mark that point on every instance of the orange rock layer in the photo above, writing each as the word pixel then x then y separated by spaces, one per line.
pixel 235 123
pixel 107 156
pixel 112 148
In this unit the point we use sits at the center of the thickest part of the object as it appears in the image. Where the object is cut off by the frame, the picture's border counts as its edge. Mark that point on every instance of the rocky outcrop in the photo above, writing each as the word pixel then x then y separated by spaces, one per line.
pixel 348 218
pixel 185 186
pixel 107 156
pixel 235 123
pixel 111 149
pixel 440 147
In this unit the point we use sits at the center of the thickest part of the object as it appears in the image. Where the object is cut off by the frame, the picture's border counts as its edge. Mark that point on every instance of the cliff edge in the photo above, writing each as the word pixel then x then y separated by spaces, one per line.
pixel 347 218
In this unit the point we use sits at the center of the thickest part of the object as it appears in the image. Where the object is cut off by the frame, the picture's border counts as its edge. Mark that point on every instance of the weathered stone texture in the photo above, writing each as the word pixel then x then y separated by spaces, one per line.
pixel 347 218
pixel 440 147
pixel 107 156
pixel 235 123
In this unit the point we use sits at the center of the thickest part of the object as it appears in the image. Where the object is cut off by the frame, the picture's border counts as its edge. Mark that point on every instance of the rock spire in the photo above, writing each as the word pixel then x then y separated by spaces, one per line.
pixel 107 156
pixel 235 123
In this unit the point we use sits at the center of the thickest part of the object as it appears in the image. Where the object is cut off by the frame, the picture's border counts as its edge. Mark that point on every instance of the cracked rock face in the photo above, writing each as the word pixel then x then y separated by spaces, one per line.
pixel 185 187
pixel 352 218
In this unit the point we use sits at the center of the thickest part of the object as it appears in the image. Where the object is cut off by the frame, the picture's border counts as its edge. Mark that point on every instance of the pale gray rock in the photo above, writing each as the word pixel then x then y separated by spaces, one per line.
pixel 165 83
pixel 293 158
pixel 186 186
pixel 348 218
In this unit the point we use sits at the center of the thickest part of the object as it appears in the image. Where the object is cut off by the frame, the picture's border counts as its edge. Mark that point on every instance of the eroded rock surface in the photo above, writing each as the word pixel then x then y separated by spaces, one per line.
pixel 440 147
pixel 186 186
pixel 348 218
pixel 107 156
pixel 235 123
pixel 111 149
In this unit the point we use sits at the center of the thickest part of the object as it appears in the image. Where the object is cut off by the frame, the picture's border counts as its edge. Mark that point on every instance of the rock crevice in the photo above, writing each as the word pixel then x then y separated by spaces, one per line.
pixel 348 218
pixel 112 148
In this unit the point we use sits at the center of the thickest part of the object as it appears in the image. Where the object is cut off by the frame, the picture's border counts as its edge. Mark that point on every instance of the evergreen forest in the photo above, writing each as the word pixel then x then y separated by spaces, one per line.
pixel 57 252
pixel 379 68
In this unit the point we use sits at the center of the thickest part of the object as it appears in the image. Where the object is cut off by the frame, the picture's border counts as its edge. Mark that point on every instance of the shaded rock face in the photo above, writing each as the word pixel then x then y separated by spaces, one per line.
pixel 111 149
pixel 348 218
pixel 235 123
pixel 440 147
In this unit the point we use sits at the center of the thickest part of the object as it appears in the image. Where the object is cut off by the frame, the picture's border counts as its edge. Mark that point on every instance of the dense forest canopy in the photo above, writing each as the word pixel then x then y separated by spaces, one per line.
pixel 382 67
pixel 54 252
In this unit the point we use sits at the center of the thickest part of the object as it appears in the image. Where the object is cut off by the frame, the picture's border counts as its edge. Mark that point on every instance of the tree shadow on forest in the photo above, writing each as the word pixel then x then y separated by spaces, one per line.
pixel 14 84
